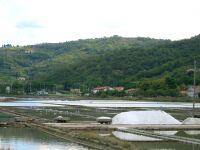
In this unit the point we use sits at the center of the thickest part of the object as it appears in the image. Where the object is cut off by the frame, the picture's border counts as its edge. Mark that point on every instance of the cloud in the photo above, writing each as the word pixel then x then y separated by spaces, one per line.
pixel 37 21
pixel 28 24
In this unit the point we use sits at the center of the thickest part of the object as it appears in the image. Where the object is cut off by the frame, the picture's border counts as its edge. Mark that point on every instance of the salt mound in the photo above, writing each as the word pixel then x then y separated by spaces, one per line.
pixel 144 117
pixel 191 121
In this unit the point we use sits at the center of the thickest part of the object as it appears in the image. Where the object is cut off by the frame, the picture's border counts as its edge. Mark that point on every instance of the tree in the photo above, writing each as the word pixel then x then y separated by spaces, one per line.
pixel 170 82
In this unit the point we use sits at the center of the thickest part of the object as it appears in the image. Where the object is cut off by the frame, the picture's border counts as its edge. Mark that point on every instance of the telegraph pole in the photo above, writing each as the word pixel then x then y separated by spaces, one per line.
pixel 195 67
pixel 30 87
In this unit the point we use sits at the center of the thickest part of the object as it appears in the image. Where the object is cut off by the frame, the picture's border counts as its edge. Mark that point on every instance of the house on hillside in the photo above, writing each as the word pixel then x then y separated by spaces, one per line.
pixel 184 92
pixel 190 91
pixel 8 89
pixel 28 51
pixel 21 78
pixel 75 91
pixel 102 88
pixel 131 91
pixel 42 92
pixel 119 88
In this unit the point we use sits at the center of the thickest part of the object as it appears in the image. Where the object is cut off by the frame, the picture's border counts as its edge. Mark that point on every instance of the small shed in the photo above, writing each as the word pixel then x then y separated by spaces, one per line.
pixel 104 120
pixel 61 119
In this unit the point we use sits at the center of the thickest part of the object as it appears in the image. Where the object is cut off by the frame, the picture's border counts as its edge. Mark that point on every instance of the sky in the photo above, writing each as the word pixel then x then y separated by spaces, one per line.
pixel 24 22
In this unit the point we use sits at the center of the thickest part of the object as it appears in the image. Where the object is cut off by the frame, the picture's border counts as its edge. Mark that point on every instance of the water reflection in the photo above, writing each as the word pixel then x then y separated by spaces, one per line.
pixel 166 132
pixel 147 143
pixel 27 104
pixel 132 137
pixel 31 139
pixel 96 103
pixel 192 132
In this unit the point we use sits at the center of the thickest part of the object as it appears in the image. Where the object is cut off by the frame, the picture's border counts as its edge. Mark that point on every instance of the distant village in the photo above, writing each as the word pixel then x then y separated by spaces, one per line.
pixel 189 91
pixel 45 90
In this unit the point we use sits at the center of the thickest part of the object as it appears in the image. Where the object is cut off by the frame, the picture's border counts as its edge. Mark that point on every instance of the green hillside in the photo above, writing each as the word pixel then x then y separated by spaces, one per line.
pixel 34 60
pixel 154 66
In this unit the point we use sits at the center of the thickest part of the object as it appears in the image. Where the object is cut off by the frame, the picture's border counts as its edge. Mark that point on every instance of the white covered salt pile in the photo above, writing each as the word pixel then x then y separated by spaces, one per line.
pixel 144 117
pixel 191 121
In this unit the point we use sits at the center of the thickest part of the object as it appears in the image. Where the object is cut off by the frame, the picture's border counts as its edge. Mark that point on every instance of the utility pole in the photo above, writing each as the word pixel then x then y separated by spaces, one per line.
pixel 195 68
pixel 30 87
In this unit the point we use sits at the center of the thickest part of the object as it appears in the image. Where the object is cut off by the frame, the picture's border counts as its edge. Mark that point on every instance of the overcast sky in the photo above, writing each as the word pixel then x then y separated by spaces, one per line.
pixel 25 22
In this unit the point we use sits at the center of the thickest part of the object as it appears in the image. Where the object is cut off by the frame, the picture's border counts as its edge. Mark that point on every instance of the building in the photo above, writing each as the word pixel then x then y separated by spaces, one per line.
pixel 102 88
pixel 190 91
pixel 119 88
pixel 184 92
pixel 21 78
pixel 131 91
pixel 42 92
pixel 75 91
pixel 8 89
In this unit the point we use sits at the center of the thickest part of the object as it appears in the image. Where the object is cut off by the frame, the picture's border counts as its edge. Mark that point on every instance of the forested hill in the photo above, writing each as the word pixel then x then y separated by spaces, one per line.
pixel 34 60
pixel 134 66
pixel 131 62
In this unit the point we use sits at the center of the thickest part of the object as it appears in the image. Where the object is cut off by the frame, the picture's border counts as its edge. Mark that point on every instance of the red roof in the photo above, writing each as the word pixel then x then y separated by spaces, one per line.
pixel 102 87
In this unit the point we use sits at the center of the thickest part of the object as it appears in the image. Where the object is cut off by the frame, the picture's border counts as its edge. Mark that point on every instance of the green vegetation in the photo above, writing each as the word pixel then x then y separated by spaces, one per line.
pixel 155 67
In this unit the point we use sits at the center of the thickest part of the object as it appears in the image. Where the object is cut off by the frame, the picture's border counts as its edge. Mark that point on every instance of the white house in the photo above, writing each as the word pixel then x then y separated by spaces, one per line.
pixel 190 91
pixel 21 78
pixel 119 88
pixel 42 92
pixel 8 89
pixel 102 88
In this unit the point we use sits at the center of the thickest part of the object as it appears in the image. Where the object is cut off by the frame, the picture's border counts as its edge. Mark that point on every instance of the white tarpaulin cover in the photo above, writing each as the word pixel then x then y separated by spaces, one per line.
pixel 144 117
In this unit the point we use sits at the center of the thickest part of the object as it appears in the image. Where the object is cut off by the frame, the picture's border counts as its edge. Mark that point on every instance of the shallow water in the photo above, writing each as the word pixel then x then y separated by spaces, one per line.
pixel 32 103
pixel 32 139
pixel 35 102
pixel 147 143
